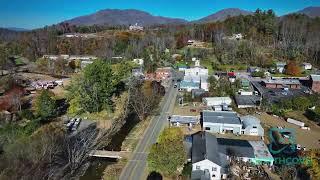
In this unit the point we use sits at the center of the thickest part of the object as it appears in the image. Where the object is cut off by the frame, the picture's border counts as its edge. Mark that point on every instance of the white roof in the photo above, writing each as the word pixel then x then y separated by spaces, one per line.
pixel 260 149
pixel 250 120
pixel 217 98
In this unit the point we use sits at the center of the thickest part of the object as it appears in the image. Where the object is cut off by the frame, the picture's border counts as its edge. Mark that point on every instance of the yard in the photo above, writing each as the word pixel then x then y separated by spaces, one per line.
pixel 309 139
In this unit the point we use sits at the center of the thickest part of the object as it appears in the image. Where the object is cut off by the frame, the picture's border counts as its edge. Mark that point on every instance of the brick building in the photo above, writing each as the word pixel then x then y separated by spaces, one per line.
pixel 315 82
pixel 163 73
pixel 282 83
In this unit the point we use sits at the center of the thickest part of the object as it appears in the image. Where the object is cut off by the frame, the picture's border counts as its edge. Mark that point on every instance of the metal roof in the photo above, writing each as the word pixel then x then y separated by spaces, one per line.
pixel 250 120
pixel 205 146
pixel 235 147
pixel 315 77
pixel 186 84
pixel 246 100
pixel 184 119
pixel 282 81
pixel 260 149
pixel 224 117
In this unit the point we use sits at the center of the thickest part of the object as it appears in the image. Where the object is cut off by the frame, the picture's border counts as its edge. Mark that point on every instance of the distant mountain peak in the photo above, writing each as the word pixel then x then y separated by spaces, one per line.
pixel 115 17
pixel 312 11
pixel 224 14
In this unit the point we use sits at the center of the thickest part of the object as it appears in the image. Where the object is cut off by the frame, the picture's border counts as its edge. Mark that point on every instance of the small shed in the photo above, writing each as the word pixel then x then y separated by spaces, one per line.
pixel 251 126
pixel 217 101
pixel 187 120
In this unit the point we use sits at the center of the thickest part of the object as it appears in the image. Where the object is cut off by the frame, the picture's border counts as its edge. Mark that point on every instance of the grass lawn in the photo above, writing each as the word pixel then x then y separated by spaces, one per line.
pixel 236 67
pixel 208 65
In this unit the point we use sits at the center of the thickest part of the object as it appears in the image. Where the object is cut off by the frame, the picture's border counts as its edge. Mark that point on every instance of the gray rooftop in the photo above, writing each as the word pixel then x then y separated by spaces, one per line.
pixel 205 146
pixel 260 149
pixel 315 77
pixel 236 147
pixel 225 117
pixel 184 119
pixel 250 120
pixel 282 81
pixel 247 99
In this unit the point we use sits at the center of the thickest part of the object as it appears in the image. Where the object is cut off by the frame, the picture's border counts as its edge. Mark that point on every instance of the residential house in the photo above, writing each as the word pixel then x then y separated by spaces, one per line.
pixel 207 162
pixel 280 66
pixel 306 66
pixel 221 122
pixel 282 83
pixel 315 82
pixel 135 27
pixel 211 156
pixel 251 126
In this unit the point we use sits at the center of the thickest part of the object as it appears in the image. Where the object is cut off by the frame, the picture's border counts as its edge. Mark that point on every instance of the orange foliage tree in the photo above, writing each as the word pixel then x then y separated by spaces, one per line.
pixel 293 69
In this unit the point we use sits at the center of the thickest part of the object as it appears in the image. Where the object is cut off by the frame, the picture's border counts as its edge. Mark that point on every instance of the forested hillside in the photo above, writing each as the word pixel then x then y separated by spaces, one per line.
pixel 267 37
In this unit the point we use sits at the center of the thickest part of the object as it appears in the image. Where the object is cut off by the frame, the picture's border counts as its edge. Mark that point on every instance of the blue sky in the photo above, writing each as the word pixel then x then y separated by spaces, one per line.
pixel 38 13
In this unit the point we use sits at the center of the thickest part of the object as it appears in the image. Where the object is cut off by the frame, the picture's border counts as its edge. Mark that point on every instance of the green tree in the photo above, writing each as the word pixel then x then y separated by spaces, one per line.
pixel 45 105
pixel 168 154
pixel 92 91
pixel 301 103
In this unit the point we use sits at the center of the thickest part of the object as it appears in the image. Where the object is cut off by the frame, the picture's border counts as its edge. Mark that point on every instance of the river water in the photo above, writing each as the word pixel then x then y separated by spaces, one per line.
pixel 98 165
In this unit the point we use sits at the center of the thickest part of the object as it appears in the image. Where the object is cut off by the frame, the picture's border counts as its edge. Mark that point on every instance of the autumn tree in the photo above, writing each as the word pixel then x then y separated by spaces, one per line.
pixel 144 97
pixel 293 69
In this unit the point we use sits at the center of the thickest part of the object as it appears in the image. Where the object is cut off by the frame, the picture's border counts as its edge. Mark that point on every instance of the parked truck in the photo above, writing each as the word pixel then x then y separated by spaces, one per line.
pixel 298 123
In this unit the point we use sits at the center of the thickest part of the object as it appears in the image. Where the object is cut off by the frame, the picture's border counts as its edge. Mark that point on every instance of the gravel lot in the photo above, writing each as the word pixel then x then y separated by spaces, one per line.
pixel 309 139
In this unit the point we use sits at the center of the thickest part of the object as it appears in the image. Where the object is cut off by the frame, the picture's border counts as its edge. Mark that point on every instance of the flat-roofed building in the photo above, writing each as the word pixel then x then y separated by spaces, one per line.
pixel 282 83
pixel 221 122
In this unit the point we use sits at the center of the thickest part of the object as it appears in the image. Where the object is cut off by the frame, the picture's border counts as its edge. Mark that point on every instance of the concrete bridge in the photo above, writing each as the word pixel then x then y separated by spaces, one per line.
pixel 109 154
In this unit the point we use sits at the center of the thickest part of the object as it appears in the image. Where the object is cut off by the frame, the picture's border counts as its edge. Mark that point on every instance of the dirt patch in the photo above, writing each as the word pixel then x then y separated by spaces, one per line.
pixel 309 139
pixel 190 109
pixel 112 172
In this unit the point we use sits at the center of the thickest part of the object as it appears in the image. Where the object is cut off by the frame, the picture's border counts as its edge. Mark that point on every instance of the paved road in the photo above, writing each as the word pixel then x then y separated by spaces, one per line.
pixel 135 167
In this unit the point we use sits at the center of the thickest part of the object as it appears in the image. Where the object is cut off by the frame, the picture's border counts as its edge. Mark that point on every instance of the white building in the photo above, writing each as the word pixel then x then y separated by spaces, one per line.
pixel 217 101
pixel 207 162
pixel 221 122
pixel 70 57
pixel 251 126
pixel 307 66
pixel 82 57
pixel 85 63
pixel 280 66
pixel 139 61
pixel 135 27
pixel 197 75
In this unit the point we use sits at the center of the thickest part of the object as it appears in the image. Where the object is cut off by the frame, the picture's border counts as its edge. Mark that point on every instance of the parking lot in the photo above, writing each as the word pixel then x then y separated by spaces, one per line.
pixel 275 95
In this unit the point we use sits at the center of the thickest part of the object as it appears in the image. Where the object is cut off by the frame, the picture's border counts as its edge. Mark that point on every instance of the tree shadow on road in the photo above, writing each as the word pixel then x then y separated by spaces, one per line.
pixel 154 176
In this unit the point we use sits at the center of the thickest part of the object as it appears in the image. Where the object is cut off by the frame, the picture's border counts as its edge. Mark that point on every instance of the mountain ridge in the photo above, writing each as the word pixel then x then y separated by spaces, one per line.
pixel 223 15
pixel 122 17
